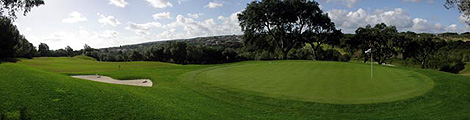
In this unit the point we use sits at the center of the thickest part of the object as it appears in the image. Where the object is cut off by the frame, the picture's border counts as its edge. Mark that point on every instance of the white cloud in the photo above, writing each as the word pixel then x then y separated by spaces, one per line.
pixel 463 19
pixel 349 21
pixel 196 15
pixel 214 5
pixel 182 1
pixel 108 20
pixel 422 25
pixel 76 40
pixel 142 29
pixel 28 29
pixel 119 3
pixel 107 34
pixel 418 1
pixel 163 15
pixel 56 37
pixel 193 28
pixel 452 28
pixel 83 33
pixel 348 3
pixel 74 17
pixel 397 17
pixel 160 3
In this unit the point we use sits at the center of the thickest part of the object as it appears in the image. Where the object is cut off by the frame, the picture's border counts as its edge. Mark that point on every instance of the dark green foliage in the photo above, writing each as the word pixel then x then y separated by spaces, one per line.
pixel 381 38
pixel 9 35
pixel 69 51
pixel 329 36
pixel 10 7
pixel 177 50
pixel 283 25
pixel 12 43
pixel 43 49
pixel 421 49
pixel 332 55
pixel 453 69
pixel 154 53
pixel 174 52
pixel 135 55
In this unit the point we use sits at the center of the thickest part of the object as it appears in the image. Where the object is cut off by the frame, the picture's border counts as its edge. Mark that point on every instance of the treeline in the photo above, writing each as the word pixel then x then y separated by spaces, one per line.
pixel 174 52
pixel 12 43
pixel 185 53
pixel 408 48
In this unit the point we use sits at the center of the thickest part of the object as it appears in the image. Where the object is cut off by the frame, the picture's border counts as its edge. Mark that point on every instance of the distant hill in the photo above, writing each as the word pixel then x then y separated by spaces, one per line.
pixel 454 36
pixel 226 40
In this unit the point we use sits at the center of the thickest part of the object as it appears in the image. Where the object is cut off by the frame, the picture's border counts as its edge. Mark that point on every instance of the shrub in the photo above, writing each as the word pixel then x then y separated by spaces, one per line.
pixel 453 69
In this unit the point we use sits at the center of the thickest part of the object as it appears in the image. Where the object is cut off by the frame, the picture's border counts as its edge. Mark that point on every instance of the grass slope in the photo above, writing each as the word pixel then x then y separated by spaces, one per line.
pixel 326 82
pixel 466 71
pixel 42 87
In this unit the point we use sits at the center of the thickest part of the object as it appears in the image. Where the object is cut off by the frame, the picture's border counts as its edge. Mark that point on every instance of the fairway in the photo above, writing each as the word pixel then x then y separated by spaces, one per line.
pixel 44 87
pixel 324 82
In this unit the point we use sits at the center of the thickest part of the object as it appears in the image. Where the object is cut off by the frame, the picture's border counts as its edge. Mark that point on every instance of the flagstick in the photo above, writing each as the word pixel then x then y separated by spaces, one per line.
pixel 371 65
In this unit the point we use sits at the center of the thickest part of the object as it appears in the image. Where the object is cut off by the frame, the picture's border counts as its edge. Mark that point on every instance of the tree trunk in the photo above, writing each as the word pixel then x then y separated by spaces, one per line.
pixel 314 50
pixel 423 64
pixel 284 55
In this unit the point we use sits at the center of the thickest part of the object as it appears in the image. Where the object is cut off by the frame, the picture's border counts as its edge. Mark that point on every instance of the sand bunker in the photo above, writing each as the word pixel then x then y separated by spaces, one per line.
pixel 105 79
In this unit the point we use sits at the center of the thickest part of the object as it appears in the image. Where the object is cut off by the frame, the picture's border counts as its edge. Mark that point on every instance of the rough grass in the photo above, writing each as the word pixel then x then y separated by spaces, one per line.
pixel 466 71
pixel 43 87
pixel 326 82
pixel 85 64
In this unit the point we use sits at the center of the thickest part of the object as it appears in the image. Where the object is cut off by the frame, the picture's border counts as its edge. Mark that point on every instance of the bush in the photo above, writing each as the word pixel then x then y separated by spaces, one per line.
pixel 453 69
pixel 333 55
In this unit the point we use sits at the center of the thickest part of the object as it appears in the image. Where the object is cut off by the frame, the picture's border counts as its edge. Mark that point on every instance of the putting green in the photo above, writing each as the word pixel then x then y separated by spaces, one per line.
pixel 324 82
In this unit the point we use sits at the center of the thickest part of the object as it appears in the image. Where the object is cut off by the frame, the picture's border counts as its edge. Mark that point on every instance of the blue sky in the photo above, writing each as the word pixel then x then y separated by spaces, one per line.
pixel 107 23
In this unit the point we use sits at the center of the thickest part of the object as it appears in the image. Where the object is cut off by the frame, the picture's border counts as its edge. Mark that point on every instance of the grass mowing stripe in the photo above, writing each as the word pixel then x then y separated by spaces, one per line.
pixel 330 82
pixel 178 96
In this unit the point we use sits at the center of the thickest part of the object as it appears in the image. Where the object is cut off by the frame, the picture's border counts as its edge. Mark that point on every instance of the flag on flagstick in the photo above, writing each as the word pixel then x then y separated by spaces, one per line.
pixel 369 50
pixel 371 63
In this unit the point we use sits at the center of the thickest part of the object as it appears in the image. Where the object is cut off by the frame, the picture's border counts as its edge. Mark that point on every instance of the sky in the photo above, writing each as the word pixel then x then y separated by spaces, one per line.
pixel 110 23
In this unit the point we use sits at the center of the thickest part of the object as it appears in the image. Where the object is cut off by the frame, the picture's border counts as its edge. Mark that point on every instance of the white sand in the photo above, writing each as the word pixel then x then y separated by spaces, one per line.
pixel 105 79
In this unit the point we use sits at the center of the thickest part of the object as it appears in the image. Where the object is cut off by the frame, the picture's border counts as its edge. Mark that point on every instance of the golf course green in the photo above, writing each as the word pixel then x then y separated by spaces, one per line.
pixel 41 88
pixel 325 82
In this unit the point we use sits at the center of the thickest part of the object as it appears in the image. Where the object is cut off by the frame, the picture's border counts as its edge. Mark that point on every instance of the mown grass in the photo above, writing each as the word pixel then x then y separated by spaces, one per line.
pixel 466 71
pixel 326 82
pixel 48 93
pixel 85 64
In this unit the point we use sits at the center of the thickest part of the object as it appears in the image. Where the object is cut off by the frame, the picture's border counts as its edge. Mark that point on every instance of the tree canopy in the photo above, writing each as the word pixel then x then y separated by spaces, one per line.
pixel 380 38
pixel 462 5
pixel 9 8
pixel 284 24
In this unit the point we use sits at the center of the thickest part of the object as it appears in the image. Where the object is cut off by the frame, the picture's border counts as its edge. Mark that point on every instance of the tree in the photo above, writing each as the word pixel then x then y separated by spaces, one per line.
pixel 135 55
pixel 69 50
pixel 9 36
pixel 462 5
pixel 43 49
pixel 284 23
pixel 87 48
pixel 23 48
pixel 422 49
pixel 381 38
pixel 177 51
pixel 10 7
pixel 327 35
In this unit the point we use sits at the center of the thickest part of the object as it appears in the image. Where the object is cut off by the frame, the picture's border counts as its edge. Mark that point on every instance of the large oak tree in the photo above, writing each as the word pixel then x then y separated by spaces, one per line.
pixel 382 39
pixel 285 24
